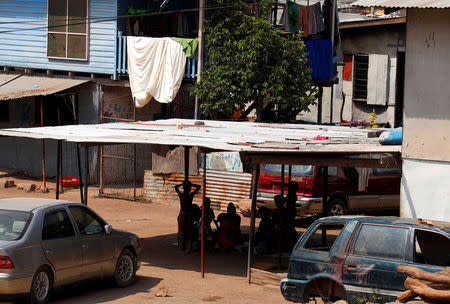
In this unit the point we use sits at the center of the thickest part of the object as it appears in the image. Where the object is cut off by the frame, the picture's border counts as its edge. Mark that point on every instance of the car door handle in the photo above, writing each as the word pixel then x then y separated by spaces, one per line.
pixel 352 268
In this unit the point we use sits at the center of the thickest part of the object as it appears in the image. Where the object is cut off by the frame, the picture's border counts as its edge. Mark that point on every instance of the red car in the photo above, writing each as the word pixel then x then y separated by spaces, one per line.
pixel 381 193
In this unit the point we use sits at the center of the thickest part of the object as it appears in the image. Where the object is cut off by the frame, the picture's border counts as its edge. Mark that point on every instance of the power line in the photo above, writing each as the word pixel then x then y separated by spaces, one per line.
pixel 104 19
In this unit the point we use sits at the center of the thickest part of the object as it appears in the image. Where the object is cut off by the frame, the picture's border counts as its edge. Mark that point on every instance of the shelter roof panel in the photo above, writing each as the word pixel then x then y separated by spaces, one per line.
pixel 13 86
pixel 219 136
pixel 404 3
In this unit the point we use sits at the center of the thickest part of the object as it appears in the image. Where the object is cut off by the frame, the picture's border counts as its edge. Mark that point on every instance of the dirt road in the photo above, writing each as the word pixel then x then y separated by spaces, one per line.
pixel 164 265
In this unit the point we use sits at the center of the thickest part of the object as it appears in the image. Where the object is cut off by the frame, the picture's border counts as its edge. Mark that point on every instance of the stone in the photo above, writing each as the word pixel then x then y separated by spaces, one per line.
pixel 27 187
pixel 162 292
pixel 6 183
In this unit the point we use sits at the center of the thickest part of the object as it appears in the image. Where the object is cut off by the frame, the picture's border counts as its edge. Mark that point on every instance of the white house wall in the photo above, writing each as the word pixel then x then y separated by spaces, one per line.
pixel 424 191
pixel 427 88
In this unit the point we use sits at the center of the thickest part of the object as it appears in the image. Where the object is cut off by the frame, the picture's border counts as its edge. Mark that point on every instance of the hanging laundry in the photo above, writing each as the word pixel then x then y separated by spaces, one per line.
pixel 189 45
pixel 348 68
pixel 320 55
pixel 303 20
pixel 156 68
pixel 293 17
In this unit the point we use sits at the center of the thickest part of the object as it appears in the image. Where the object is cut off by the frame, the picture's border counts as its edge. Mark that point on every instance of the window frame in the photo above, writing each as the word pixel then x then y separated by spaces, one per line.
pixel 355 80
pixel 411 257
pixel 310 233
pixel 47 212
pixel 357 233
pixel 67 33
pixel 98 218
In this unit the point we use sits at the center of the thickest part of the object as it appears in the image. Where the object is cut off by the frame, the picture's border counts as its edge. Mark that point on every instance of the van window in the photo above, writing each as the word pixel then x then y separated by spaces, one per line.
pixel 324 236
pixel 381 241
pixel 332 171
pixel 387 172
pixel 298 170
pixel 425 244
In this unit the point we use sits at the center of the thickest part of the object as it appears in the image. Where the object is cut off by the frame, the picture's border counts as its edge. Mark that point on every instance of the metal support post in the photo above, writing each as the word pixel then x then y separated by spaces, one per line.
pixel 252 220
pixel 58 167
pixel 203 218
pixel 79 173
pixel 324 190
pixel 86 173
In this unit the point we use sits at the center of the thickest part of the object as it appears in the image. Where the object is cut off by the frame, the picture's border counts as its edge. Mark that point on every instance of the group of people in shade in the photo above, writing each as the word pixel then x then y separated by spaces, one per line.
pixel 226 236
pixel 276 231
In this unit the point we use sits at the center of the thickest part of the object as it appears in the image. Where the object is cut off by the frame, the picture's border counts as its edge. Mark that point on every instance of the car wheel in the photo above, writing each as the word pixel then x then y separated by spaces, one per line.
pixel 125 272
pixel 336 206
pixel 41 286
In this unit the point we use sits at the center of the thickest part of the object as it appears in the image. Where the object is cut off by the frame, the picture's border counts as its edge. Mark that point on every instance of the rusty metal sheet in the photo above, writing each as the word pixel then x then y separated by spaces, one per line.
pixel 13 86
pixel 404 3
pixel 227 186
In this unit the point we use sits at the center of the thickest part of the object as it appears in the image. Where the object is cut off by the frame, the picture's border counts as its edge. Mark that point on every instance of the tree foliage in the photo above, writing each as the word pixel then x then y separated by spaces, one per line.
pixel 251 61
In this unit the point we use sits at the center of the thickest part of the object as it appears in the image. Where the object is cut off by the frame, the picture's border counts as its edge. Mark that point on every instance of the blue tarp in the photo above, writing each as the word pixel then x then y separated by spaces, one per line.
pixel 320 55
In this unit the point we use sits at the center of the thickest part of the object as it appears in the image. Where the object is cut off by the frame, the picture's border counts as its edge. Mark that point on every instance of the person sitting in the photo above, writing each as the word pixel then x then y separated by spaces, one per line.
pixel 265 235
pixel 229 228
pixel 196 222
pixel 209 218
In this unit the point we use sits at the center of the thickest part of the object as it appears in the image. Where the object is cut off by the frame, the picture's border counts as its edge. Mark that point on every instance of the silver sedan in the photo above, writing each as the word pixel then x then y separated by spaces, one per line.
pixel 47 243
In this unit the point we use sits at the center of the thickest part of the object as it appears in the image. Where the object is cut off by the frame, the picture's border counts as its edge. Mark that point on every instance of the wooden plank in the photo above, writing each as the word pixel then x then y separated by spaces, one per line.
pixel 262 277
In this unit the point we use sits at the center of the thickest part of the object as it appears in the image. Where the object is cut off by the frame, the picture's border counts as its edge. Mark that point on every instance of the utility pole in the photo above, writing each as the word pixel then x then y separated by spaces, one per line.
pixel 201 16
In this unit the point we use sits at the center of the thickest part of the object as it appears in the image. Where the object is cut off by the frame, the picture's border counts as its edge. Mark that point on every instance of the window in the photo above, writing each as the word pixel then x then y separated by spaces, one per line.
pixel 4 110
pixel 360 74
pixel 387 172
pixel 57 225
pixel 425 245
pixel 323 237
pixel 298 170
pixel 381 241
pixel 67 29
pixel 88 223
pixel 13 224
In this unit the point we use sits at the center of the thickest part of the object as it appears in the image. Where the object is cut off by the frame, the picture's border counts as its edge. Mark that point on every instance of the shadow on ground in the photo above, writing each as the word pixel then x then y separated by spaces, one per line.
pixel 88 291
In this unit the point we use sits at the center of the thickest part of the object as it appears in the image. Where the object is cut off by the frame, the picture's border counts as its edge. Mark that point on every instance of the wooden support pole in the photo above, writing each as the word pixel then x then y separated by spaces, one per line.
pixel 201 16
pixel 290 173
pixel 186 163
pixel 252 220
pixel 203 218
pixel 319 105
pixel 58 167
pixel 86 173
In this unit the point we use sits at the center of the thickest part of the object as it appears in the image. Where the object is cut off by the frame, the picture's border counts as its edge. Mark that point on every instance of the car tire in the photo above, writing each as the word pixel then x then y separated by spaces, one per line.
pixel 336 206
pixel 125 272
pixel 41 286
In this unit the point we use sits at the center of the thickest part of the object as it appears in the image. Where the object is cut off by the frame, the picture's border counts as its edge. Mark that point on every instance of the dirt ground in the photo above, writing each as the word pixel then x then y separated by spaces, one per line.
pixel 163 264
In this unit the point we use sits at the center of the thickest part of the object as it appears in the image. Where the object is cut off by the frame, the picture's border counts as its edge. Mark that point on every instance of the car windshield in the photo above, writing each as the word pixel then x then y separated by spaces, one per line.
pixel 299 170
pixel 12 224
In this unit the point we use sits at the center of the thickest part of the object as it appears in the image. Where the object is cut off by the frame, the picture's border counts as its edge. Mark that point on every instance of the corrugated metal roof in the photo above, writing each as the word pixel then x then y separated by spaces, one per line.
pixel 219 136
pixel 404 3
pixel 14 86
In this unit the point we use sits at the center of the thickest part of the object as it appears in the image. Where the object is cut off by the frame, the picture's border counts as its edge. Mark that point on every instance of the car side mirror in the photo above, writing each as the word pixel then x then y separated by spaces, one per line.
pixel 108 229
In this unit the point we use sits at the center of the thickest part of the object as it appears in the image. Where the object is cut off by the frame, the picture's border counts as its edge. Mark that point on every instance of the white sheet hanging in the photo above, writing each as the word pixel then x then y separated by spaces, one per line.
pixel 156 68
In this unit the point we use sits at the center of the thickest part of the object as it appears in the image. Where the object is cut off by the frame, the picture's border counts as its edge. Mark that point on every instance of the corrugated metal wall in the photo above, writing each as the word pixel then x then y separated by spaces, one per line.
pixel 26 47
pixel 221 186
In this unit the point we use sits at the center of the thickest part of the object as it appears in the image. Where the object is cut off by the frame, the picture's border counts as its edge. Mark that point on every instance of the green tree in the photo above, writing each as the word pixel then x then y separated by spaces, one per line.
pixel 252 64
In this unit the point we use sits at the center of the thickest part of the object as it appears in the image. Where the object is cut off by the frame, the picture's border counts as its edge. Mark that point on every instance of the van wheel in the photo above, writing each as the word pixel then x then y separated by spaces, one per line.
pixel 336 206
